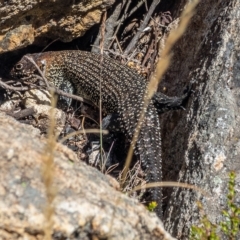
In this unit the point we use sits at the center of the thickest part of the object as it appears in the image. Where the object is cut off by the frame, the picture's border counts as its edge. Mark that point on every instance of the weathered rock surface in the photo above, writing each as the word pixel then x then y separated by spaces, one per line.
pixel 204 145
pixel 86 206
pixel 23 22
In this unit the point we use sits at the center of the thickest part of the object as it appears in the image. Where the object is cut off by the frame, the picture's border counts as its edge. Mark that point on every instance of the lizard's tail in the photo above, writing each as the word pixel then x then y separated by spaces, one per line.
pixel 149 149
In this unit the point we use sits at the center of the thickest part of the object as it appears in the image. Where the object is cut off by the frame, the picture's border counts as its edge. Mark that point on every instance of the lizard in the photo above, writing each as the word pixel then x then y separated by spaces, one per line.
pixel 123 91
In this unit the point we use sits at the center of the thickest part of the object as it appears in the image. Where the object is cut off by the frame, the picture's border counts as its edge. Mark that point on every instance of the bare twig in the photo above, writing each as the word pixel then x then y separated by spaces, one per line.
pixel 49 44
pixel 124 57
pixel 119 23
pixel 23 113
pixel 134 53
pixel 142 27
pixel 110 23
pixel 12 88
pixel 125 16
pixel 138 5
pixel 84 131
pixel 149 50
pixel 152 50
pixel 119 46
pixel 40 72
pixel 69 95
pixel 10 81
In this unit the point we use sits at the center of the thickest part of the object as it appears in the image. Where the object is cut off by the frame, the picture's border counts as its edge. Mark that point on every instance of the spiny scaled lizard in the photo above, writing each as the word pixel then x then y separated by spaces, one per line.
pixel 122 92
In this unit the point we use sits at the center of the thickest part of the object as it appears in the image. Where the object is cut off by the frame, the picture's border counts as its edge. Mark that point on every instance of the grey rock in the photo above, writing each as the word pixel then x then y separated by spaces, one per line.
pixel 85 204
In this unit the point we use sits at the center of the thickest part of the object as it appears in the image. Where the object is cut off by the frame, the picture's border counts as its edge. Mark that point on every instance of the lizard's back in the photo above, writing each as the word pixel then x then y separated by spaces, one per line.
pixel 122 92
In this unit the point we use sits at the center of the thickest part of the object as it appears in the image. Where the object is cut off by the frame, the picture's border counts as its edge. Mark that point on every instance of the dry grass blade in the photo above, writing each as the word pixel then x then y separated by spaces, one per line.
pixel 161 67
pixel 48 174
pixel 50 44
pixel 92 130
pixel 103 26
pixel 170 184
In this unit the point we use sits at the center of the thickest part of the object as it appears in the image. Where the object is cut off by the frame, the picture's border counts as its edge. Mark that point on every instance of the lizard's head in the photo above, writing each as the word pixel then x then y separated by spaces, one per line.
pixel 25 69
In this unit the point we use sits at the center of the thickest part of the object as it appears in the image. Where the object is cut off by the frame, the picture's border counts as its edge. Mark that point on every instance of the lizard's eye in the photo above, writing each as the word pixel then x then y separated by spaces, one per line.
pixel 19 66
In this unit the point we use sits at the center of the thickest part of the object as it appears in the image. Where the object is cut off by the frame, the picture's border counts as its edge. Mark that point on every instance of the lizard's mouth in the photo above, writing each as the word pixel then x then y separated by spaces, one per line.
pixel 26 77
pixel 19 73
